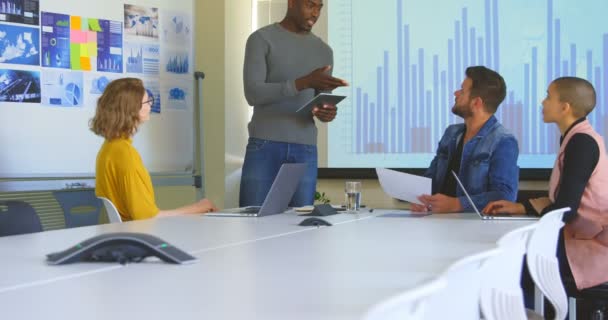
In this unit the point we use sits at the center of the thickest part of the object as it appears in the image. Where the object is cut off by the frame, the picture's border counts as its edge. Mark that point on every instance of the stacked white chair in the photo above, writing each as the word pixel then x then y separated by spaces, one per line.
pixel 113 214
pixel 542 261
pixel 460 298
pixel 411 305
pixel 501 296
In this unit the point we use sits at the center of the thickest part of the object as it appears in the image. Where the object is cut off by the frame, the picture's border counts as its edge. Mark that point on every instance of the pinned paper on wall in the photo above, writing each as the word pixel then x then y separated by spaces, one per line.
pixel 19 86
pixel 153 89
pixel 55 41
pixel 62 88
pixel 178 93
pixel 142 58
pixel 95 83
pixel 141 23
pixel 20 11
pixel 19 45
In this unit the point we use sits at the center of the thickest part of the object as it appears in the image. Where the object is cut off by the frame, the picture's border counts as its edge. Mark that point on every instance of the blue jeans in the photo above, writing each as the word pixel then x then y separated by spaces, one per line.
pixel 264 158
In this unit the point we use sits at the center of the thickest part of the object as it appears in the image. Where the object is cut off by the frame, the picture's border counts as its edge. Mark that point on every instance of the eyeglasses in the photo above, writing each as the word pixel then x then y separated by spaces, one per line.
pixel 150 101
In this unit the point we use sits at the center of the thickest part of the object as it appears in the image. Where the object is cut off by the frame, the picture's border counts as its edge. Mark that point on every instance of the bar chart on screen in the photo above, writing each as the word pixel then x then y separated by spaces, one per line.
pixel 405 58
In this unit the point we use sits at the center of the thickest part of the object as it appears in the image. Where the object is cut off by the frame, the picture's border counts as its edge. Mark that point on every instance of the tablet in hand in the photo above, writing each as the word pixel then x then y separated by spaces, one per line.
pixel 321 99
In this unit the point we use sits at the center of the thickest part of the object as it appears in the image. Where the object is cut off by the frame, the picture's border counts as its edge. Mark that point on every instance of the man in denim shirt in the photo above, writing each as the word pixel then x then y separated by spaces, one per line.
pixel 481 151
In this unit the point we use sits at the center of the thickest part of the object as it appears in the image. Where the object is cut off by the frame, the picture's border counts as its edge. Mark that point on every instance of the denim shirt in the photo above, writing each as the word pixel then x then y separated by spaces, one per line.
pixel 488 168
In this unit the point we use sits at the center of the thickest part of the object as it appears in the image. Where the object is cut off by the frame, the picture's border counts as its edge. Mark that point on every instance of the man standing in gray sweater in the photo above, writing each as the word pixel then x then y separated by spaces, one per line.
pixel 285 66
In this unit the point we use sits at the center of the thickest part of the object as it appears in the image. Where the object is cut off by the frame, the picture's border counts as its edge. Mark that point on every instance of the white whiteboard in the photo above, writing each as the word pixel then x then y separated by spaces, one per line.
pixel 45 139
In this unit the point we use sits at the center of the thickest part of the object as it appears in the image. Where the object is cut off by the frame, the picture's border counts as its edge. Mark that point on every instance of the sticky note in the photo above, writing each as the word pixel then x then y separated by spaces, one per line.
pixel 75 56
pixel 77 36
pixel 92 36
pixel 84 50
pixel 94 25
pixel 85 63
pixel 92 49
pixel 75 22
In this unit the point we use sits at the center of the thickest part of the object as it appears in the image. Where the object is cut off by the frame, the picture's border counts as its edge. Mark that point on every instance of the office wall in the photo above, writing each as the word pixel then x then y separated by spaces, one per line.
pixel 237 112
pixel 210 17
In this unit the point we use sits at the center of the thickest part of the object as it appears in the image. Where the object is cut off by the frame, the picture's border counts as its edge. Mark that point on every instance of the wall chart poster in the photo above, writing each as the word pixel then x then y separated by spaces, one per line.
pixel 178 92
pixel 55 40
pixel 176 61
pixel 141 23
pixel 95 84
pixel 19 45
pixel 62 88
pixel 153 90
pixel 177 28
pixel 19 86
pixel 142 58
pixel 20 11
pixel 109 46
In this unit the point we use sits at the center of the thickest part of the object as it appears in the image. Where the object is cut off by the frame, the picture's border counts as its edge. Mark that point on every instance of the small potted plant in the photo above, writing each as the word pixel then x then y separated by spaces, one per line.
pixel 320 197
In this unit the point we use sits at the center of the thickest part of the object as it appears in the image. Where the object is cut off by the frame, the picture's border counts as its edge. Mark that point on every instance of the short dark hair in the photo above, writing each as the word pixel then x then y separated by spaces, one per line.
pixel 579 93
pixel 487 85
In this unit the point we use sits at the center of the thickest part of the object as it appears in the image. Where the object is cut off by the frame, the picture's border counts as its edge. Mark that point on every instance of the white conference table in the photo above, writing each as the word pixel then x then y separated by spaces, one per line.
pixel 23 256
pixel 264 268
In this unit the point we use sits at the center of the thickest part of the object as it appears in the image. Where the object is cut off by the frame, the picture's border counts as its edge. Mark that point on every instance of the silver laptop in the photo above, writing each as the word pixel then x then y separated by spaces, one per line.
pixel 278 197
pixel 500 216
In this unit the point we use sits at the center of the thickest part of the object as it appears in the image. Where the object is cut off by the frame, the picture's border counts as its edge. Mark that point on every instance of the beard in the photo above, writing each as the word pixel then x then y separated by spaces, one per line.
pixel 463 111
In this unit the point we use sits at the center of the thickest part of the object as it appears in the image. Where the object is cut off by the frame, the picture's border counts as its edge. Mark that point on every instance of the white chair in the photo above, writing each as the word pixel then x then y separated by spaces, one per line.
pixel 501 296
pixel 542 261
pixel 411 305
pixel 113 214
pixel 460 298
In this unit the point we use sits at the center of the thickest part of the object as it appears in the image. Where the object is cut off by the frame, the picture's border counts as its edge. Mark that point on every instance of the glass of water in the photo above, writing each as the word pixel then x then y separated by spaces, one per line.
pixel 352 190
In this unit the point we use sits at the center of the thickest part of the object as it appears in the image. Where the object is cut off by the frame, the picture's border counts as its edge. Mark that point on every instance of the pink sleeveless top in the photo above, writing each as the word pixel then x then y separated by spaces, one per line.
pixel 586 237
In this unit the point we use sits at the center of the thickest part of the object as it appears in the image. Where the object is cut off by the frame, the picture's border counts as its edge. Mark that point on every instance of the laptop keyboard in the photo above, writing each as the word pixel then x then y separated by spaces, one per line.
pixel 251 209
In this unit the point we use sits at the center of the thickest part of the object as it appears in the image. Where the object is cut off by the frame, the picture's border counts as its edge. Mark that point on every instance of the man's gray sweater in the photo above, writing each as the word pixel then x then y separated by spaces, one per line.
pixel 274 59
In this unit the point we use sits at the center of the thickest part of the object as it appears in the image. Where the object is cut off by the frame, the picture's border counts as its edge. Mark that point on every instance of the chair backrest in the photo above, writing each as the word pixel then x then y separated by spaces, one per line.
pixel 501 296
pixel 18 217
pixel 411 305
pixel 542 260
pixel 80 208
pixel 460 298
pixel 113 215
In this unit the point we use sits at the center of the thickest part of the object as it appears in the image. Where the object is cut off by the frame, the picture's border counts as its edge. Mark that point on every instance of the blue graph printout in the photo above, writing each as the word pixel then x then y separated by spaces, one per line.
pixel 55 40
pixel 178 93
pixel 19 45
pixel 142 58
pixel 177 28
pixel 109 46
pixel 20 11
pixel 19 86
pixel 94 84
pixel 153 90
pixel 62 88
pixel 406 59
pixel 176 61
